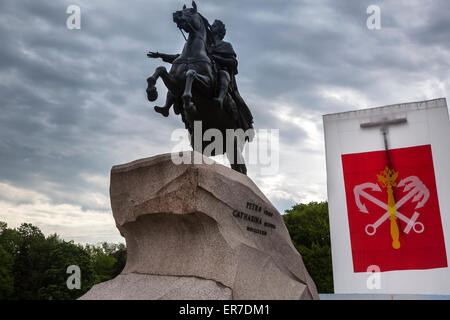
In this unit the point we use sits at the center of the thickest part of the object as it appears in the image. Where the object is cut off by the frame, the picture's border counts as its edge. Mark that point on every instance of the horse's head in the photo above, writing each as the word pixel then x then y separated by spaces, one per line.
pixel 188 19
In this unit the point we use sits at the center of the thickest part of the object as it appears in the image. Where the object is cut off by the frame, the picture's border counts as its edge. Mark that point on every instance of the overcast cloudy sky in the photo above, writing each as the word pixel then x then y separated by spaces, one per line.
pixel 73 104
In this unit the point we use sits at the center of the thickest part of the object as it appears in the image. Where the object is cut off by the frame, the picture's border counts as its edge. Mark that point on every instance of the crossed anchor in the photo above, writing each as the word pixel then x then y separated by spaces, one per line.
pixel 416 189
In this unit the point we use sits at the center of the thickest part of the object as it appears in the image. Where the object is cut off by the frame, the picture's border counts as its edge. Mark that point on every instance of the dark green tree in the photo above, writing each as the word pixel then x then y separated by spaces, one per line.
pixel 309 228
pixel 29 262
pixel 104 260
pixel 7 248
pixel 33 266
pixel 6 275
pixel 120 254
pixel 63 254
pixel 39 264
pixel 9 239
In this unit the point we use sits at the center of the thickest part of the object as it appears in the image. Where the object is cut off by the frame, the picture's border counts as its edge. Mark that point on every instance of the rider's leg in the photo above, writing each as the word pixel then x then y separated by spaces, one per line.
pixel 170 99
pixel 223 81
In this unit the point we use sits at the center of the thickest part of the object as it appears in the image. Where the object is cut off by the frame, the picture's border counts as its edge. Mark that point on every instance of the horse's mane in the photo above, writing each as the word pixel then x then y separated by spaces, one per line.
pixel 209 37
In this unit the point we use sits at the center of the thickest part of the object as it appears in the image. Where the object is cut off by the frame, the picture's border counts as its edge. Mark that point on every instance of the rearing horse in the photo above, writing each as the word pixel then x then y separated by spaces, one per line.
pixel 191 83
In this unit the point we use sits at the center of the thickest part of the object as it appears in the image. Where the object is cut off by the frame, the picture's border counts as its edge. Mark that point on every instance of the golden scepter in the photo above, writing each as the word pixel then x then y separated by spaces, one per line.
pixel 387 179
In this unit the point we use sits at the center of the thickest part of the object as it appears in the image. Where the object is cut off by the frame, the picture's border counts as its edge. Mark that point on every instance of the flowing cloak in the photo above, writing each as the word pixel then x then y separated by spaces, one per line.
pixel 225 50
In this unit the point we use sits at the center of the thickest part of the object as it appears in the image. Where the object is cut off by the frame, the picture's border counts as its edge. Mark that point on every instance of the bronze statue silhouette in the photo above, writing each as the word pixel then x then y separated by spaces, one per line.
pixel 202 86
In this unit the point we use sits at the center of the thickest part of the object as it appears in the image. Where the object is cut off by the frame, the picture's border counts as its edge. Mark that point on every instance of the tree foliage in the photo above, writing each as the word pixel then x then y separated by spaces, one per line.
pixel 34 267
pixel 6 276
pixel 309 228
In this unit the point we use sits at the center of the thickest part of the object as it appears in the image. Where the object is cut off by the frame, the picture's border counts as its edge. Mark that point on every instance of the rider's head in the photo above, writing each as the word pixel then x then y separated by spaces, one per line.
pixel 218 28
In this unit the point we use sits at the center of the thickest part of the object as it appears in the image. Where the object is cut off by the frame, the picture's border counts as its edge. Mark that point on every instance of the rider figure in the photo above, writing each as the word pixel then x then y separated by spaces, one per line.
pixel 224 58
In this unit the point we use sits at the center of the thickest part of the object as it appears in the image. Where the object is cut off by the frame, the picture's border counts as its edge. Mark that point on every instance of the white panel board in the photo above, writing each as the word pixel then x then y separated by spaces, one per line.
pixel 427 124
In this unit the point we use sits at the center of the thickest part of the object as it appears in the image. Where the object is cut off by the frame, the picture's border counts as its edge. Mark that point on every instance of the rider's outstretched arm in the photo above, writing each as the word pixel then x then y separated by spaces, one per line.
pixel 169 58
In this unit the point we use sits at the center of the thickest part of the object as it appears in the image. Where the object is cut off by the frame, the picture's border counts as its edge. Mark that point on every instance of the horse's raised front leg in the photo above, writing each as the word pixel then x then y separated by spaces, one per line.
pixel 192 75
pixel 187 94
pixel 152 93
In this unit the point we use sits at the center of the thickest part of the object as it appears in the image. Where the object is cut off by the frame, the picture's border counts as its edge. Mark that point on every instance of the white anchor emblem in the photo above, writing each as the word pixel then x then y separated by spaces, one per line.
pixel 416 189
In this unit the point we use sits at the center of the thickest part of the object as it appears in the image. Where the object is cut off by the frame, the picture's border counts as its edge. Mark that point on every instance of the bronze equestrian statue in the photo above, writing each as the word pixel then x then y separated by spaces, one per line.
pixel 202 85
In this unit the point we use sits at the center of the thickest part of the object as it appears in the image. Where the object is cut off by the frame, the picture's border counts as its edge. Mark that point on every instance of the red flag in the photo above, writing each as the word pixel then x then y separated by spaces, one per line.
pixel 386 204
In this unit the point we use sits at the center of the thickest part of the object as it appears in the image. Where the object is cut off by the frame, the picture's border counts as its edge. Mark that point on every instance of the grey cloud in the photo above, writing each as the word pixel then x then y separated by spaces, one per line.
pixel 72 102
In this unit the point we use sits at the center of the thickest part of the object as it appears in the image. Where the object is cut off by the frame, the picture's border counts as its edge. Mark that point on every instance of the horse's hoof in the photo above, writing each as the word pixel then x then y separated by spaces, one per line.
pixel 218 103
pixel 191 108
pixel 152 94
pixel 163 111
pixel 177 109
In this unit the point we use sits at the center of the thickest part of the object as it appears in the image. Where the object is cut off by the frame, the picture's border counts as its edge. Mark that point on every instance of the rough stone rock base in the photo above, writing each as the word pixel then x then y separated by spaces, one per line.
pixel 199 231
pixel 135 286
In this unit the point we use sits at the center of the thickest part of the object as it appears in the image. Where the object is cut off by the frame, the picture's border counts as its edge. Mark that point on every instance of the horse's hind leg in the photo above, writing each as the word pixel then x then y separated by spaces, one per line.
pixel 235 157
pixel 170 99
